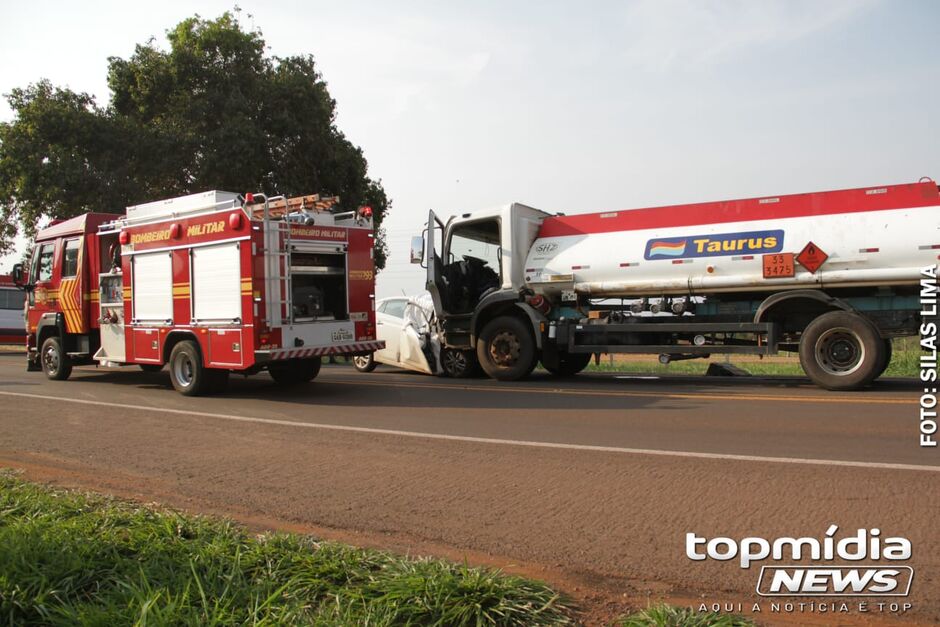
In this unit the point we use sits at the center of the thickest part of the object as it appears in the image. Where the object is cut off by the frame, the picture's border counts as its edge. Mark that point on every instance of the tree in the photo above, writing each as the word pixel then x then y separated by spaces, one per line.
pixel 212 112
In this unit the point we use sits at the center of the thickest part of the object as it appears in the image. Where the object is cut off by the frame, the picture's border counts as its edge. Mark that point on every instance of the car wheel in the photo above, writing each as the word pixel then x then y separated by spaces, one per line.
pixel 459 364
pixel 364 363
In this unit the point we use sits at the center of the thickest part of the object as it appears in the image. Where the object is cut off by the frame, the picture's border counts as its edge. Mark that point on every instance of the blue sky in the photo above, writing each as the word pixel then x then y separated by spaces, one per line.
pixel 570 106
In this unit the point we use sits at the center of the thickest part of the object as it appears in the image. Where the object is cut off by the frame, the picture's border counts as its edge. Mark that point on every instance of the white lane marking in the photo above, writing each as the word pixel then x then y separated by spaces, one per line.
pixel 481 440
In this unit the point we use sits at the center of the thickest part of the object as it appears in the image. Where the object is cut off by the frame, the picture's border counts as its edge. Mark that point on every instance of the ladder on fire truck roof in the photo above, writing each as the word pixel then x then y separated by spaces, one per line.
pixel 275 213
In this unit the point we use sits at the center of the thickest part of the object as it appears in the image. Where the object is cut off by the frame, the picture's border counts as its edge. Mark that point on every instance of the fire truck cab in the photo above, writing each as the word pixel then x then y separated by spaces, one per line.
pixel 206 284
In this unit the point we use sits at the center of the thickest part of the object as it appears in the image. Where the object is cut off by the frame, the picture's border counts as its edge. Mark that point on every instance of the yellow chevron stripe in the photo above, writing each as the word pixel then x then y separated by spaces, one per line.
pixel 65 305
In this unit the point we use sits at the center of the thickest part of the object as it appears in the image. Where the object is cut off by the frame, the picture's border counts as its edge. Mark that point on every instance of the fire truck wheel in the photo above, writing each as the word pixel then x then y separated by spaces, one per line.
pixel 55 362
pixel 295 371
pixel 218 381
pixel 151 367
pixel 364 363
pixel 841 351
pixel 459 364
pixel 506 349
pixel 567 365
pixel 188 375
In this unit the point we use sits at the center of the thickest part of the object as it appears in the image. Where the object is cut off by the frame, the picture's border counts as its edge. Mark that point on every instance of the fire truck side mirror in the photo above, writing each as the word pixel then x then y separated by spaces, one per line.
pixel 17 275
pixel 417 249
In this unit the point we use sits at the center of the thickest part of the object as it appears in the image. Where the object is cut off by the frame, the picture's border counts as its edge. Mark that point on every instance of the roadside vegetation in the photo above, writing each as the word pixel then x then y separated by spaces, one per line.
pixel 904 363
pixel 71 558
pixel 672 616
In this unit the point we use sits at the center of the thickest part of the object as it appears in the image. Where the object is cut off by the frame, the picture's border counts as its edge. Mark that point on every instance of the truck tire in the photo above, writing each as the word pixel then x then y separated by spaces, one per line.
pixel 294 372
pixel 55 362
pixel 218 381
pixel 840 350
pixel 506 349
pixel 188 375
pixel 886 359
pixel 364 363
pixel 458 364
pixel 567 365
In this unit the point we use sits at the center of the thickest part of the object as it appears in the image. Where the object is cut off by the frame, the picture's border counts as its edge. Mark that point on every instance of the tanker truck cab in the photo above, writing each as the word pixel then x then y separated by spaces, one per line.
pixel 475 272
pixel 833 276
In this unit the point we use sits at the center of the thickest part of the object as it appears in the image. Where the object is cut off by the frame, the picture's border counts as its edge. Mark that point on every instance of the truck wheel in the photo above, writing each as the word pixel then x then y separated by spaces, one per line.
pixel 567 365
pixel 218 381
pixel 886 359
pixel 506 349
pixel 295 372
pixel 841 351
pixel 55 362
pixel 364 363
pixel 459 364
pixel 188 375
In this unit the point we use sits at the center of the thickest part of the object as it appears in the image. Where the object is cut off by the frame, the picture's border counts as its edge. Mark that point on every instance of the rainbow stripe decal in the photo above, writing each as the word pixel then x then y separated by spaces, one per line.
pixel 660 248
pixel 715 245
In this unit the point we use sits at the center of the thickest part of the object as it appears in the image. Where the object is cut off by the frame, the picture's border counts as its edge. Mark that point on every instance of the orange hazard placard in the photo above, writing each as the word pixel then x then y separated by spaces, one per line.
pixel 811 257
pixel 779 266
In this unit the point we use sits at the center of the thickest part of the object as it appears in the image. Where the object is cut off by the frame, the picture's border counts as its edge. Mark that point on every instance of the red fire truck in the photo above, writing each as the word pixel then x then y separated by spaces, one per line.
pixel 208 284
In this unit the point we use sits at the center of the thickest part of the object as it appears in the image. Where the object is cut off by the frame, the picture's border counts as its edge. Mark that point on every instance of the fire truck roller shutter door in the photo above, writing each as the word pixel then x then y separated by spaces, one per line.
pixel 152 287
pixel 216 289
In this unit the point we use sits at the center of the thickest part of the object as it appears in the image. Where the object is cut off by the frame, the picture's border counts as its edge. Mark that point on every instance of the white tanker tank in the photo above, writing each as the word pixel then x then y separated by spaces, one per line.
pixel 879 236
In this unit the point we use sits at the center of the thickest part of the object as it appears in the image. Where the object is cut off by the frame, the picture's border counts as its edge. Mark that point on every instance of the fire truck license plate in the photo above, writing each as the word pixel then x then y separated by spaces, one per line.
pixel 779 266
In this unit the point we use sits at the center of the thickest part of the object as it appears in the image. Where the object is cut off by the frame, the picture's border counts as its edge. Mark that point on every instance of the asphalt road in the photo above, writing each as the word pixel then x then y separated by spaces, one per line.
pixel 590 483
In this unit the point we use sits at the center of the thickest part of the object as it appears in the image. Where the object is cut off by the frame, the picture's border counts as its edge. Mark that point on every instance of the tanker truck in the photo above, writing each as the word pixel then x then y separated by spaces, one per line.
pixel 832 276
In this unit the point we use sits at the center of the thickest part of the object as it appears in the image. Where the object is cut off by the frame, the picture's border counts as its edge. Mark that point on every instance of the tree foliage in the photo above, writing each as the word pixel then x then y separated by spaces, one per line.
pixel 211 112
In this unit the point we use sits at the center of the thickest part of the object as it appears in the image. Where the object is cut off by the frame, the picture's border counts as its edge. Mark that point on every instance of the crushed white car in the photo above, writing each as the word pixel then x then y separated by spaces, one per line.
pixel 412 340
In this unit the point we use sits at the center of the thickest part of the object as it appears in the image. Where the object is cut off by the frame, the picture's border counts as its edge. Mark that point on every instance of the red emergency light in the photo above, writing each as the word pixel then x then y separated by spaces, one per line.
pixel 124 238
pixel 365 212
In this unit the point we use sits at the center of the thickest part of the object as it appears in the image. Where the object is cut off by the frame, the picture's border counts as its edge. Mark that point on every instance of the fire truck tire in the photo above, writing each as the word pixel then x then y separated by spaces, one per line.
pixel 218 381
pixel 840 350
pixel 459 364
pixel 506 349
pixel 567 365
pixel 294 372
pixel 55 362
pixel 188 375
pixel 151 367
pixel 364 363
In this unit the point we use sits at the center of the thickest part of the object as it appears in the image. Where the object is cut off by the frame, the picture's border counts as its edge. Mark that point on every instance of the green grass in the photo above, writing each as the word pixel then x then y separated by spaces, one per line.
pixel 70 558
pixel 904 363
pixel 671 616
